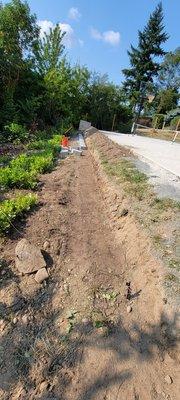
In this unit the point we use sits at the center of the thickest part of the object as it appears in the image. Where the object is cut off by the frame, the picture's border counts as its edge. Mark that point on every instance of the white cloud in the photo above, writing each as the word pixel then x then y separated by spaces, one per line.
pixel 45 27
pixel 111 37
pixel 96 34
pixel 69 39
pixel 74 13
pixel 81 42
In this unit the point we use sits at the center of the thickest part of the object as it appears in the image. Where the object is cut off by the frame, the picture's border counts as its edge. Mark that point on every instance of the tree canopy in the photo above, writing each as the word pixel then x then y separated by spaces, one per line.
pixel 144 65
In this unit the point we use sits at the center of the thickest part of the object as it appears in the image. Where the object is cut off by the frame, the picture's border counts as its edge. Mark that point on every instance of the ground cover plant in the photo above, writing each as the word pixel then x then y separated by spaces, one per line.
pixel 23 171
pixel 10 209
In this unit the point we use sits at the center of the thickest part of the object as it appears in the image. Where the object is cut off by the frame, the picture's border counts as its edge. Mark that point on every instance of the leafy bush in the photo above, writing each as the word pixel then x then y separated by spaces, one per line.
pixel 157 121
pixel 174 123
pixel 52 144
pixel 16 133
pixel 125 127
pixel 23 171
pixel 5 159
pixel 10 209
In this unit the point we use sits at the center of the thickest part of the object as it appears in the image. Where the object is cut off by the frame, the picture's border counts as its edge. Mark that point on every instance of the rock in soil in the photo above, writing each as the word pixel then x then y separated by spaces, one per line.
pixel 168 379
pixel 129 309
pixel 28 257
pixel 46 245
pixel 43 386
pixel 41 275
pixel 25 319
pixel 85 321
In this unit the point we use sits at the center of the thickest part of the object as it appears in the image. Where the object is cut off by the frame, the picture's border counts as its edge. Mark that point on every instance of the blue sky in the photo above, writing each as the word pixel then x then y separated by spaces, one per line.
pixel 99 32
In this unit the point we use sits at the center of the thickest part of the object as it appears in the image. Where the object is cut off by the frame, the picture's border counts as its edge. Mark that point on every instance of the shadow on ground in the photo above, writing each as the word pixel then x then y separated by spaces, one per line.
pixel 38 351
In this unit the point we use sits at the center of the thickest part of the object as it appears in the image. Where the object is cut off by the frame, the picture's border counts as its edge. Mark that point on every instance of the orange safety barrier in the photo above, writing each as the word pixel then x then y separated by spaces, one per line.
pixel 65 142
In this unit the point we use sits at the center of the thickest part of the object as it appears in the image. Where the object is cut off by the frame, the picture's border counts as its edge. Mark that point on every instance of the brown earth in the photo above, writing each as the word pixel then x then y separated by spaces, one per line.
pixel 78 341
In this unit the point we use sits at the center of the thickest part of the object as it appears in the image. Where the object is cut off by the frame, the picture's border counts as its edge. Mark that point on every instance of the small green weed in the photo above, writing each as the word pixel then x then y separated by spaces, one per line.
pixel 164 204
pixel 171 278
pixel 158 239
pixel 174 264
pixel 110 296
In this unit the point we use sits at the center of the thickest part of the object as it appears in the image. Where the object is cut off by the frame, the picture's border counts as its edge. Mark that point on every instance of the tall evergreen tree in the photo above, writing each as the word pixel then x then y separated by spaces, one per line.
pixel 144 64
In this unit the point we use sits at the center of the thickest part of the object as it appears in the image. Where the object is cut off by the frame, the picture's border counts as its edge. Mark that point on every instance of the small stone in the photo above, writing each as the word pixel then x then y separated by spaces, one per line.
pixel 2 325
pixel 25 319
pixel 103 331
pixel 41 275
pixel 168 379
pixel 85 321
pixel 66 288
pixel 43 386
pixel 46 245
pixel 15 320
pixel 129 309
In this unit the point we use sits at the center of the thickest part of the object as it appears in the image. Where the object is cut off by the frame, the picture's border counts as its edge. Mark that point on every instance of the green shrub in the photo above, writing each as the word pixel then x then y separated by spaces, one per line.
pixel 52 144
pixel 125 127
pixel 16 133
pixel 157 121
pixel 5 159
pixel 10 209
pixel 174 123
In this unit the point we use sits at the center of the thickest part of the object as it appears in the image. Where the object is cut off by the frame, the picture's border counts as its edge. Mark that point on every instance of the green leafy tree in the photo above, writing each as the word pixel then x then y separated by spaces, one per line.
pixel 18 38
pixel 167 100
pixel 106 104
pixel 66 93
pixel 143 59
pixel 49 50
pixel 169 74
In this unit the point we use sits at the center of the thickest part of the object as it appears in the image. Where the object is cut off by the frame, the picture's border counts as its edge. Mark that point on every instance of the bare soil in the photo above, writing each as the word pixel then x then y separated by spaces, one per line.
pixel 78 341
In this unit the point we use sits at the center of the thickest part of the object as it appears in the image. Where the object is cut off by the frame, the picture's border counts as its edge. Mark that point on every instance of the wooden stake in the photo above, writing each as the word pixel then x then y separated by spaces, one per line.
pixel 113 121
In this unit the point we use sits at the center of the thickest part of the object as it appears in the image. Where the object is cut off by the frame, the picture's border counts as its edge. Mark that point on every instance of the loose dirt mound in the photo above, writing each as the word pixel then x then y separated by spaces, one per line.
pixel 78 340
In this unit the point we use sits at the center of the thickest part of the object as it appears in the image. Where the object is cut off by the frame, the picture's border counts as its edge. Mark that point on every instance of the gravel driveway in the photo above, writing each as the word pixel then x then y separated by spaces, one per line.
pixel 159 159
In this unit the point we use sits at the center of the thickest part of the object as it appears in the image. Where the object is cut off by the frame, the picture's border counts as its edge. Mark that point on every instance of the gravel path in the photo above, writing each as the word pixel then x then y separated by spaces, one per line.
pixel 159 159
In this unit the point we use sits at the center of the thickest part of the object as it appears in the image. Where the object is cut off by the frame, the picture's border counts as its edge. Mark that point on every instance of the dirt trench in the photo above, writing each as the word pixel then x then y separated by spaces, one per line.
pixel 80 342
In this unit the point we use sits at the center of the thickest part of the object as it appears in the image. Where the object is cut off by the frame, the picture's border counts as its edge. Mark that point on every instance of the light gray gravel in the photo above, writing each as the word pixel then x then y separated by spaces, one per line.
pixel 158 159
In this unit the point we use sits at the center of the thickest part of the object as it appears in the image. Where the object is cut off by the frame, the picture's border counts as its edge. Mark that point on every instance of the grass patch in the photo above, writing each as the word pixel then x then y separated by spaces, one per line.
pixel 164 204
pixel 134 180
pixel 171 278
pixel 11 209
